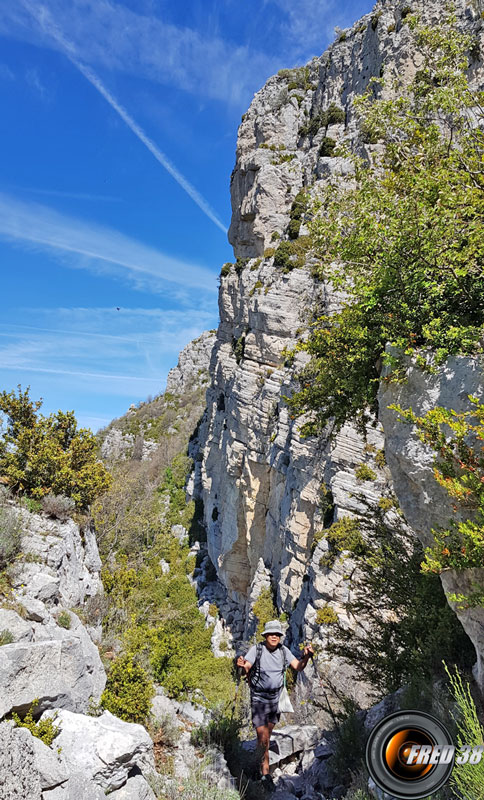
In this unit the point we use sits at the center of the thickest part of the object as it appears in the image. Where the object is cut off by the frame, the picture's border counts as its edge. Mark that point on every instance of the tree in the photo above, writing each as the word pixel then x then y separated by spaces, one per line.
pixel 41 455
pixel 402 236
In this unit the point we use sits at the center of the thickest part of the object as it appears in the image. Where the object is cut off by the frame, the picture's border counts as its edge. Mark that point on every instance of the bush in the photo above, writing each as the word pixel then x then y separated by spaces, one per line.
pixel 468 779
pixel 327 147
pixel 10 536
pixel 41 455
pixel 64 620
pixel 392 649
pixel 225 269
pixel 128 690
pixel 365 473
pixel 45 729
pixel 326 616
pixel 58 506
pixel 6 637
pixel 384 226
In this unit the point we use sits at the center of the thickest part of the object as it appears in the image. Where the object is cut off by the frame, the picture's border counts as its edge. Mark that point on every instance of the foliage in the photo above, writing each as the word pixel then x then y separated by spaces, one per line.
pixel 238 346
pixel 10 535
pixel 322 119
pixel 128 690
pixel 225 269
pixel 326 616
pixel 194 787
pixel 58 506
pixel 6 637
pixel 291 254
pixel 401 237
pixel 468 779
pixel 64 620
pixel 365 473
pixel 264 609
pixel 392 646
pixel 299 78
pixel 41 455
pixel 327 147
pixel 343 535
pixel 455 437
pixel 44 729
pixel 298 209
pixel 349 743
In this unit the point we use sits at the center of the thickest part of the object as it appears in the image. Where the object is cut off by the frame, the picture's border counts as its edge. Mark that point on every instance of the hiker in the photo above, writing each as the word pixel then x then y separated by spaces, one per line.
pixel 270 660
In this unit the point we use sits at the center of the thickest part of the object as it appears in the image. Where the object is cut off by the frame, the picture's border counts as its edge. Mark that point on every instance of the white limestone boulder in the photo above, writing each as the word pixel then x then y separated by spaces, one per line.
pixel 103 749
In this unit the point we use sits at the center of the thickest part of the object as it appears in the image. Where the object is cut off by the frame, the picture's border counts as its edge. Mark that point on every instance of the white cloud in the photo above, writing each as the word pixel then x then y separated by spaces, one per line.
pixel 6 73
pixel 111 35
pixel 97 351
pixel 49 26
pixel 33 79
pixel 95 247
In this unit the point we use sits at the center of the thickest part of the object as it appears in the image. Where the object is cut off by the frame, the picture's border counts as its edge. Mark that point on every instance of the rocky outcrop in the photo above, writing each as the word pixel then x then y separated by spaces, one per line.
pixel 191 372
pixel 266 490
pixel 425 503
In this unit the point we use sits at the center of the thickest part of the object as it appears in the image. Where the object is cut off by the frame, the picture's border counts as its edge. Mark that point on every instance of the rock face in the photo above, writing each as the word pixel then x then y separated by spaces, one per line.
pixel 266 490
pixel 426 504
pixel 191 372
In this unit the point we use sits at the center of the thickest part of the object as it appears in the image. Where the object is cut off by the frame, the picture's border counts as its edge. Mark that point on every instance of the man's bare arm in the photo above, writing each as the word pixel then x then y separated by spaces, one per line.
pixel 300 664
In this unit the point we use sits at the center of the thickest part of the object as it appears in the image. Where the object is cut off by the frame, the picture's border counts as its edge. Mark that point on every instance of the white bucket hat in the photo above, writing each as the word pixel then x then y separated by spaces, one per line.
pixel 274 626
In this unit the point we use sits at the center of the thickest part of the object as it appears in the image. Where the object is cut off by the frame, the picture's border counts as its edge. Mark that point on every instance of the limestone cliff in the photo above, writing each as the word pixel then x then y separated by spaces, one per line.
pixel 266 490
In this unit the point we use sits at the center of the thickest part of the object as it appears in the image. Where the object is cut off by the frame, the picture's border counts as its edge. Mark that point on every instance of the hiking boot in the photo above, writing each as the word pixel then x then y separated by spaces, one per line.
pixel 268 783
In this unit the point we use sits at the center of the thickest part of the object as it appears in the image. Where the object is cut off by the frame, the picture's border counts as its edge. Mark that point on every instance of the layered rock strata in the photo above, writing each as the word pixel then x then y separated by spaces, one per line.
pixel 265 489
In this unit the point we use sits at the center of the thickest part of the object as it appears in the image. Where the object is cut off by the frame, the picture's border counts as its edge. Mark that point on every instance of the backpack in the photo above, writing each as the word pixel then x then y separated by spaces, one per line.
pixel 253 676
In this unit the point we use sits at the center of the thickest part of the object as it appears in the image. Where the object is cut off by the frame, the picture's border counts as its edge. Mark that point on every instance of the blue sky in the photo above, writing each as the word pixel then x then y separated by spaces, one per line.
pixel 117 134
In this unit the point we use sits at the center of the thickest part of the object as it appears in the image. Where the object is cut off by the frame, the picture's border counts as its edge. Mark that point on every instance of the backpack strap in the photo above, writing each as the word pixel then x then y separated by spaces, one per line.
pixel 254 672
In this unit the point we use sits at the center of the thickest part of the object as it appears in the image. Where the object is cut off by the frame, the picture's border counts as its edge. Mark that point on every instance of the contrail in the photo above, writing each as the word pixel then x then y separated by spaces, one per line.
pixel 44 19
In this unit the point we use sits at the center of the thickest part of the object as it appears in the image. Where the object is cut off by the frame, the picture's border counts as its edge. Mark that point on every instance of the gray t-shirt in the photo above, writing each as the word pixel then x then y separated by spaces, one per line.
pixel 271 666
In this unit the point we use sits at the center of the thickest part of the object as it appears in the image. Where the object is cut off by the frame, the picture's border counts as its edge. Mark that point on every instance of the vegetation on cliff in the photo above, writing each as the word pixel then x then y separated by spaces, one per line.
pixel 42 455
pixel 402 236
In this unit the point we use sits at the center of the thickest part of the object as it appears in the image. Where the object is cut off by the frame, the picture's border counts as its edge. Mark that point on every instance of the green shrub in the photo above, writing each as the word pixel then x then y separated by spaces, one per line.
pixel 264 609
pixel 342 36
pixel 6 637
pixel 374 20
pixel 225 269
pixel 335 115
pixel 58 506
pixel 275 236
pixel 41 455
pixel 406 10
pixel 391 29
pixel 380 459
pixel 64 620
pixel 240 264
pixel 256 263
pixel 420 177
pixel 10 536
pixel 45 729
pixel 269 252
pixel 238 346
pixel 283 256
pixel 393 648
pixel 350 742
pixel 327 147
pixel 468 779
pixel 326 616
pixel 365 473
pixel 128 690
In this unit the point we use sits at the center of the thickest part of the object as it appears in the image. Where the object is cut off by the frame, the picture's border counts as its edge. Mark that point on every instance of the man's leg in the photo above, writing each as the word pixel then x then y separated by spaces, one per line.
pixel 263 739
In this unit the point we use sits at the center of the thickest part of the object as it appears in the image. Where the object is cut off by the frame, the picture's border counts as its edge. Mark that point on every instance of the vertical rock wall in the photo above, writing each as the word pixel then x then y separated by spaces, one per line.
pixel 262 484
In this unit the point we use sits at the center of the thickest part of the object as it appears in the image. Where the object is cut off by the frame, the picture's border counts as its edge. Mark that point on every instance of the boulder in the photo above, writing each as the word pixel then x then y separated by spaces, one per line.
pixel 12 622
pixel 78 787
pixel 19 779
pixel 51 767
pixel 103 749
pixel 136 788
pixel 61 673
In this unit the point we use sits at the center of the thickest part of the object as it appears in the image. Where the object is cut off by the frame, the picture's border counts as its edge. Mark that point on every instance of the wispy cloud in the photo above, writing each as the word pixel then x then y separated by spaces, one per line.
pixel 73 195
pixel 33 79
pixel 96 351
pixel 96 247
pixel 6 73
pixel 48 25
pixel 109 34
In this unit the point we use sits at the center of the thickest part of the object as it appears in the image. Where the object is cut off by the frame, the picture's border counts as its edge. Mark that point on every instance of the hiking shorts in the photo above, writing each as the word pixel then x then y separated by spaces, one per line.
pixel 264 707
